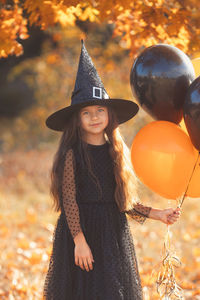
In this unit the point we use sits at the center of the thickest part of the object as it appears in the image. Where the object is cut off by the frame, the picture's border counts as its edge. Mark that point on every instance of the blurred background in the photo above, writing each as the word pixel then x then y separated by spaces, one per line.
pixel 40 81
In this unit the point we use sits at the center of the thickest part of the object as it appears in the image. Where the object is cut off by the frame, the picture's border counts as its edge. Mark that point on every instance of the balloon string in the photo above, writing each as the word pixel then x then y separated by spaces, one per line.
pixel 184 195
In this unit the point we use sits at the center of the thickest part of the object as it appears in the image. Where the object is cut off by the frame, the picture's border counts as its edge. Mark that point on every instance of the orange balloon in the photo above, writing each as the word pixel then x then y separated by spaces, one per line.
pixel 163 158
pixel 196 65
pixel 194 185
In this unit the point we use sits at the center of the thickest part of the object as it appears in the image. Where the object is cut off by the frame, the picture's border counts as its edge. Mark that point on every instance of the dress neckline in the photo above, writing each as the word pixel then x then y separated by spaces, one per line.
pixel 97 146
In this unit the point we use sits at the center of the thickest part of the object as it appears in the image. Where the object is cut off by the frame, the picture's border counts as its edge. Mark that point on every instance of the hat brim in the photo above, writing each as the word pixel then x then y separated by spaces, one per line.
pixel 125 110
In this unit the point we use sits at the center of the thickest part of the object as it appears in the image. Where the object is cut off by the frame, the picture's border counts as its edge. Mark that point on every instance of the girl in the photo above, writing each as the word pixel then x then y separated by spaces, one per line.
pixel 93 184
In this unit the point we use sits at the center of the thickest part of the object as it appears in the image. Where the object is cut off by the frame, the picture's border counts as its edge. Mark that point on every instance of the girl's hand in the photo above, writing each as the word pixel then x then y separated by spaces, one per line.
pixel 82 253
pixel 169 215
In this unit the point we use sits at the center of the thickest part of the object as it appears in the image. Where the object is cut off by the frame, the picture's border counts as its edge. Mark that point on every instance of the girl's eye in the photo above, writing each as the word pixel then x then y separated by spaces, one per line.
pixel 101 109
pixel 85 112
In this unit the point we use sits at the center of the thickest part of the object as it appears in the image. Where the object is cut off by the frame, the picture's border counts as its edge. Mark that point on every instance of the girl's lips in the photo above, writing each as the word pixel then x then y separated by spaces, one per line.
pixel 95 124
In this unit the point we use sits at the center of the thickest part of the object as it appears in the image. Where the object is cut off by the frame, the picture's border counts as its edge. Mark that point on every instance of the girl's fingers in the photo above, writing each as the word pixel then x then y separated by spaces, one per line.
pixel 174 215
pixel 172 219
pixel 91 261
pixel 178 211
pixel 90 264
pixel 78 262
pixel 81 264
pixel 86 264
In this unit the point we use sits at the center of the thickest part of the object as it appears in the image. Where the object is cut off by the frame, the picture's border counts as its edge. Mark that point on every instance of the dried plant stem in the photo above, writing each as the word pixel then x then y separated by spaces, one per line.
pixel 167 287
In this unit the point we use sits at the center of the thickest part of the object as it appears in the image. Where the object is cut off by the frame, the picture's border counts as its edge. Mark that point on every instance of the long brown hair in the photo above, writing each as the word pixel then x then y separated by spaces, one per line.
pixel 126 182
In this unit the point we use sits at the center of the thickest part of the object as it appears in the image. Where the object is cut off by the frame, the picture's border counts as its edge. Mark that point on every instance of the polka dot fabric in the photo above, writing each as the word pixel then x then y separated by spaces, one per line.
pixel 115 270
pixel 69 195
pixel 139 212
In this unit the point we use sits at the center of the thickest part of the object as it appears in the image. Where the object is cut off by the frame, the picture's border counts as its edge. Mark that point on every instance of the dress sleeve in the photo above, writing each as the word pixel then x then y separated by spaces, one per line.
pixel 69 195
pixel 139 212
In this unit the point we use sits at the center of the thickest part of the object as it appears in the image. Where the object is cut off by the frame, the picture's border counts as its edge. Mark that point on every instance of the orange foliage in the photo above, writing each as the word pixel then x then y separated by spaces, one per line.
pixel 12 26
pixel 139 23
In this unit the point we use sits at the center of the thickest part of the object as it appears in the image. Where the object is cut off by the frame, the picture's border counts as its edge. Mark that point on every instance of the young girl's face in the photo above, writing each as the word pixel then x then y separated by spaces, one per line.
pixel 94 119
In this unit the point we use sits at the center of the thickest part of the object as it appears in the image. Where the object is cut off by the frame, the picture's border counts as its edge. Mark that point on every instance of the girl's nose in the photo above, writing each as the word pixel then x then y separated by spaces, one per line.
pixel 94 115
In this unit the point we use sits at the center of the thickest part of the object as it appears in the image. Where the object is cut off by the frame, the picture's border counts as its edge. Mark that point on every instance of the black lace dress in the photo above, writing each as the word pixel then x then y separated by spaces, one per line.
pixel 83 208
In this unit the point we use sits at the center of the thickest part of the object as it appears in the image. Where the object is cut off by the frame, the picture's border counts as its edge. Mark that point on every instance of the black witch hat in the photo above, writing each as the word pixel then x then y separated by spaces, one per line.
pixel 89 90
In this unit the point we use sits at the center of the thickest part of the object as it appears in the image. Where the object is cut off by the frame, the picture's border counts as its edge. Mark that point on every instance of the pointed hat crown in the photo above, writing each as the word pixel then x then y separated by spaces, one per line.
pixel 88 85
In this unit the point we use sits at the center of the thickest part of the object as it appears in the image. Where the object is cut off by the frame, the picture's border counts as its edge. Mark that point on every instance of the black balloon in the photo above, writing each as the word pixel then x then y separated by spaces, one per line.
pixel 191 112
pixel 160 77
